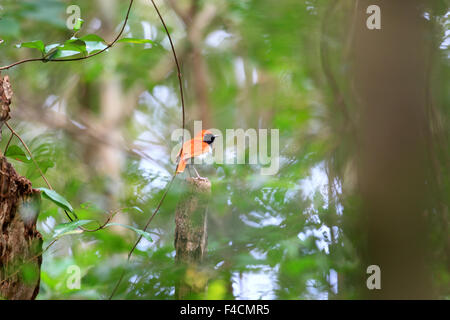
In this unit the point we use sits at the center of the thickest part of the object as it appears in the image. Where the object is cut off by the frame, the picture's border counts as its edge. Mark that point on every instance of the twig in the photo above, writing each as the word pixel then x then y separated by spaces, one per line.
pixel 45 59
pixel 9 141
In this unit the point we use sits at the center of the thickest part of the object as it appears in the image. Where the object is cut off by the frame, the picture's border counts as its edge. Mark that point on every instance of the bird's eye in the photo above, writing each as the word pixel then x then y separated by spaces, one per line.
pixel 208 138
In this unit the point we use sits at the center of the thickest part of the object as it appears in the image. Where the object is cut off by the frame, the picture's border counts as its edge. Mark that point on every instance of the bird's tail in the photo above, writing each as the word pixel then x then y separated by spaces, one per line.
pixel 181 166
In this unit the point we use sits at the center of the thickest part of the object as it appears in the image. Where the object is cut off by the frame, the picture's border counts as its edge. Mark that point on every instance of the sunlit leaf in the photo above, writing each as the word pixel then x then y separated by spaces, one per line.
pixel 69 228
pixel 70 48
pixel 16 153
pixel 51 47
pixel 78 25
pixel 216 290
pixel 37 44
pixel 93 43
pixel 59 200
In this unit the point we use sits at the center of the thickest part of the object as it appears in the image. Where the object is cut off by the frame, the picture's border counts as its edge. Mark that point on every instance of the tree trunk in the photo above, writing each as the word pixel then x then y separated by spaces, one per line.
pixel 20 242
pixel 393 166
pixel 191 236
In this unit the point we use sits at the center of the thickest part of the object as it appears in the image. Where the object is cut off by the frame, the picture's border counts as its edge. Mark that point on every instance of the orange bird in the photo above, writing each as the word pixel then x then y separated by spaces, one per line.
pixel 198 147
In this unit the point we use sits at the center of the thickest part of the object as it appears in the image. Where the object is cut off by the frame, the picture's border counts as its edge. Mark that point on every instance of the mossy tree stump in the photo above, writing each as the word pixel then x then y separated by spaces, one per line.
pixel 191 236
pixel 20 242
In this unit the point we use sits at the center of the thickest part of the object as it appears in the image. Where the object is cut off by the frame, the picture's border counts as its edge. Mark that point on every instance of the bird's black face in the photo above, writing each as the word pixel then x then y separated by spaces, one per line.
pixel 209 138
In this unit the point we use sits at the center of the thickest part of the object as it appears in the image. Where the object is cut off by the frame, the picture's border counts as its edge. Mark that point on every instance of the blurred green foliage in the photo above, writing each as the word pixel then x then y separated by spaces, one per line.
pixel 271 237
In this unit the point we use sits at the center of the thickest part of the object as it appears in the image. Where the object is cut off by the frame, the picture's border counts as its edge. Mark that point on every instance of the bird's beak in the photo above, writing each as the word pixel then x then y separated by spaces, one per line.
pixel 215 136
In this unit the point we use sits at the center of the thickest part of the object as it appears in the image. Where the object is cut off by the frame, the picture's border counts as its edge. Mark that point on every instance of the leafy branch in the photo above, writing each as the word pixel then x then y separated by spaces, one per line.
pixel 89 46
pixel 50 193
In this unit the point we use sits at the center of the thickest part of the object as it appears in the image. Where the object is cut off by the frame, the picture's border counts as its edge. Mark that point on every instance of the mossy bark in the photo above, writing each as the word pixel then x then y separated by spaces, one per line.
pixel 191 237
pixel 20 242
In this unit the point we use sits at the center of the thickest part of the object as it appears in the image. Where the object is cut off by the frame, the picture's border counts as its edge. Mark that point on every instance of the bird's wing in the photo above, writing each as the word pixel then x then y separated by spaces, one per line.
pixel 194 148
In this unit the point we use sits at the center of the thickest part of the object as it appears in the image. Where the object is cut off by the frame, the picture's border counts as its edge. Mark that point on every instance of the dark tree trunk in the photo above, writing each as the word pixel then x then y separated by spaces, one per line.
pixel 20 242
pixel 191 235
pixel 393 167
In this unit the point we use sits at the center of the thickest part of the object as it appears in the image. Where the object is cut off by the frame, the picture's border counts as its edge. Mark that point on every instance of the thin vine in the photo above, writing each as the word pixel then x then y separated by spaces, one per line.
pixel 180 83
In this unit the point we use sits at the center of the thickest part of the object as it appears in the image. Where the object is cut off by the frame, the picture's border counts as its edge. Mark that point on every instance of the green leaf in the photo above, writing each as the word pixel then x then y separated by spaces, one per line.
pixel 93 43
pixel 145 234
pixel 92 37
pixel 78 25
pixel 75 44
pixel 71 47
pixel 44 165
pixel 60 53
pixel 17 153
pixel 56 198
pixel 69 228
pixel 37 44
pixel 51 47
pixel 136 40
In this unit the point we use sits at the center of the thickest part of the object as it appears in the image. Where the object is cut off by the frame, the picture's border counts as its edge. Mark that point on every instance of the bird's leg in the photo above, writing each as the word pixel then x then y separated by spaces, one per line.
pixel 198 176
pixel 189 169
